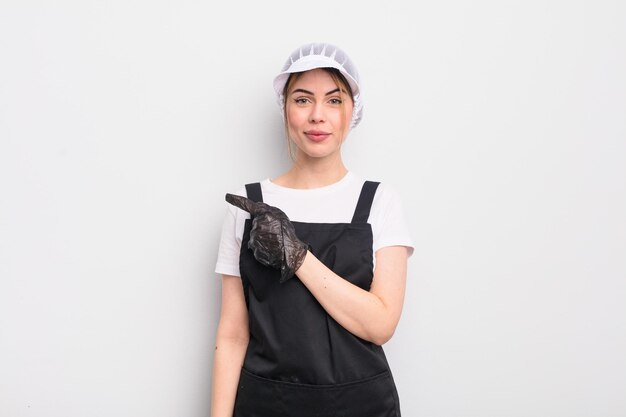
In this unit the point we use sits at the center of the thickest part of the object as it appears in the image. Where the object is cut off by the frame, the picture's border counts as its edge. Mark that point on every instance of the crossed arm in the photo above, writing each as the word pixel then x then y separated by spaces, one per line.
pixel 371 315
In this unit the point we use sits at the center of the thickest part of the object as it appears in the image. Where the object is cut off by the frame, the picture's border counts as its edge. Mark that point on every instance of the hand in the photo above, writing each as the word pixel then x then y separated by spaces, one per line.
pixel 273 239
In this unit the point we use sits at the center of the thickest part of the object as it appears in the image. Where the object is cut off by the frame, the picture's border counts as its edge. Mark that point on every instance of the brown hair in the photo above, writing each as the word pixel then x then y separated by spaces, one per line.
pixel 340 82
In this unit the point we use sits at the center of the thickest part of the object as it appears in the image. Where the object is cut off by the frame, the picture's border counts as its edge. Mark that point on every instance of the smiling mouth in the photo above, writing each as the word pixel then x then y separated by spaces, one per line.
pixel 316 135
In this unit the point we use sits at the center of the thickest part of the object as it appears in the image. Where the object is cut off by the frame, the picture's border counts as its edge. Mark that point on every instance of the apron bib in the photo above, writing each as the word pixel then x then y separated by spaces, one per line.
pixel 300 362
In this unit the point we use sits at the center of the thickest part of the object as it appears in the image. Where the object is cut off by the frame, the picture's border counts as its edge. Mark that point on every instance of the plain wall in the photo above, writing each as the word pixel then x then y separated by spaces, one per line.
pixel 501 124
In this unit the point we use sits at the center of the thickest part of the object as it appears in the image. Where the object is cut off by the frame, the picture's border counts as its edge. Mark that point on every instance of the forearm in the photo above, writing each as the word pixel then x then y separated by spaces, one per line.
pixel 361 312
pixel 227 362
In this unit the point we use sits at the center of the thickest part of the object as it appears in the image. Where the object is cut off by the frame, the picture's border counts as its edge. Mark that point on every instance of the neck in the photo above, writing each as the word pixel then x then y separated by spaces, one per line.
pixel 313 173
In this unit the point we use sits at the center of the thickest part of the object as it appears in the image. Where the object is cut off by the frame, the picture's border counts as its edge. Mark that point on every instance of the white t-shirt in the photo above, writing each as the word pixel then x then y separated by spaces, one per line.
pixel 334 203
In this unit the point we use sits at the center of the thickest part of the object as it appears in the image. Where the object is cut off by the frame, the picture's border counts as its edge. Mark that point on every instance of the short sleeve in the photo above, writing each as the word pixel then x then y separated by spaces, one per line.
pixel 230 240
pixel 388 221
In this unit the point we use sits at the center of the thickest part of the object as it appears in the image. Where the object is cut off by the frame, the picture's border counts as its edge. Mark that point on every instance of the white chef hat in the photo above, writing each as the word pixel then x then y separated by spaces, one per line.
pixel 321 55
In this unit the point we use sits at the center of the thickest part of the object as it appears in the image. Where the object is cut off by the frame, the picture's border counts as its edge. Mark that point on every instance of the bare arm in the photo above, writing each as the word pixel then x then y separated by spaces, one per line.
pixel 372 315
pixel 230 347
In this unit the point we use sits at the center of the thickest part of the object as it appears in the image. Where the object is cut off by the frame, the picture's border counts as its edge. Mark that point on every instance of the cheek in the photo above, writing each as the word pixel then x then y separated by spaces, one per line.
pixel 345 117
pixel 295 119
pixel 349 109
pixel 292 116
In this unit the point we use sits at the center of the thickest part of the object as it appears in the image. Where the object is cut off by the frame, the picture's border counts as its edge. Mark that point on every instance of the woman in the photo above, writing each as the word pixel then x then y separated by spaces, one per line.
pixel 313 264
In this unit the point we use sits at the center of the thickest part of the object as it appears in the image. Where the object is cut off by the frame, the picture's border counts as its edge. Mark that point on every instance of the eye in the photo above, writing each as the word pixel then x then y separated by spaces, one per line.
pixel 301 100
pixel 335 101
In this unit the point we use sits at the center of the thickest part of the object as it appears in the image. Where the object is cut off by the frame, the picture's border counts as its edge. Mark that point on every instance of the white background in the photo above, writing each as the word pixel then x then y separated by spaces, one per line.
pixel 501 123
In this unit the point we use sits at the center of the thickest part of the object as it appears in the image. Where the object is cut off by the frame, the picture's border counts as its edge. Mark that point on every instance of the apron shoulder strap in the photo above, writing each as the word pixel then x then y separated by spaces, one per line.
pixel 363 207
pixel 254 192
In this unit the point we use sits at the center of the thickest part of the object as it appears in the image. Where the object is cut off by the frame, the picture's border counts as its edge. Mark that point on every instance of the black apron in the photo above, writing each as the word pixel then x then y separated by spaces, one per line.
pixel 300 362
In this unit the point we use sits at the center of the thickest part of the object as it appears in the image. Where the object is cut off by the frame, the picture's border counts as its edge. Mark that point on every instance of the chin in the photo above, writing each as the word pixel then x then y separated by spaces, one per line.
pixel 320 152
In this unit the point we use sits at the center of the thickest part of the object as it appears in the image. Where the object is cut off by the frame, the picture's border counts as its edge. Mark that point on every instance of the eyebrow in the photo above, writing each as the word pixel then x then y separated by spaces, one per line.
pixel 301 90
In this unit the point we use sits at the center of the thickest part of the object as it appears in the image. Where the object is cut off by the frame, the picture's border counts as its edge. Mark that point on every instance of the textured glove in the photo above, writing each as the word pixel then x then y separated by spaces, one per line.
pixel 273 239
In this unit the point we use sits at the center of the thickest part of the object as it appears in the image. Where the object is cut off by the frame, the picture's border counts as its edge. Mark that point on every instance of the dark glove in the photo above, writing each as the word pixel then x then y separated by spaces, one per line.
pixel 273 239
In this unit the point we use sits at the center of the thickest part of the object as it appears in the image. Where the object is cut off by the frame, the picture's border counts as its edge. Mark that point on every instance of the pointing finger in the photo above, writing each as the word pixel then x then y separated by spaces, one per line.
pixel 243 203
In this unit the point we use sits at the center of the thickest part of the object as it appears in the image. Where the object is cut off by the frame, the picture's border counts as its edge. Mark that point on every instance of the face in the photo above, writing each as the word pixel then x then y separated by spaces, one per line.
pixel 318 115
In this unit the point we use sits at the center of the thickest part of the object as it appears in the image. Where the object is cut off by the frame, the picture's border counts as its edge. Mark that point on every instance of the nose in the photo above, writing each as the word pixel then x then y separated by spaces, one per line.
pixel 317 113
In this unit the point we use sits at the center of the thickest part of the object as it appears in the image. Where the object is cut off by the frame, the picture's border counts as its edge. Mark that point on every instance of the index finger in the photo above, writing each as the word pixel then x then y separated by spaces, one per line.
pixel 243 203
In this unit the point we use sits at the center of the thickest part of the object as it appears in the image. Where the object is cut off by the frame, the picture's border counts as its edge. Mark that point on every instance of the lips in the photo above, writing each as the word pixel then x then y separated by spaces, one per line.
pixel 316 135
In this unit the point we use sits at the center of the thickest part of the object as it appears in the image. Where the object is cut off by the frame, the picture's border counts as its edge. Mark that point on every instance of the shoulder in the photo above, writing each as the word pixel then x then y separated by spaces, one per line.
pixel 388 220
pixel 386 196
